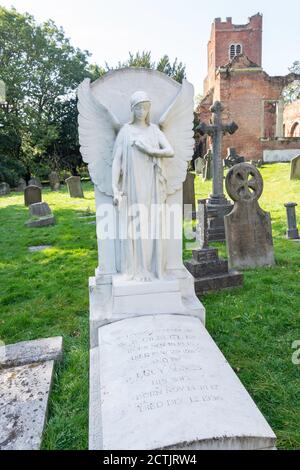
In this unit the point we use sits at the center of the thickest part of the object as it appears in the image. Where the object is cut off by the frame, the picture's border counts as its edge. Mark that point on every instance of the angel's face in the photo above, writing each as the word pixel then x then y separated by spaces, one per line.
pixel 141 110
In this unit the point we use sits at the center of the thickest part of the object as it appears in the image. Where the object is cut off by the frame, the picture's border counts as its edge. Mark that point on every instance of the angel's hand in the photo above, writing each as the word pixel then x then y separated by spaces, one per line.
pixel 118 195
pixel 143 147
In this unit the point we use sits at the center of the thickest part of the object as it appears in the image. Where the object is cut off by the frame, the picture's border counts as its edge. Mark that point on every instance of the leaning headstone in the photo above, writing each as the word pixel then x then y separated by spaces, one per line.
pixel 189 201
pixel 295 168
pixel 232 158
pixel 26 373
pixel 248 227
pixel 54 181
pixel 41 215
pixel 32 195
pixel 21 185
pixel 40 209
pixel 4 189
pixel 209 271
pixel 292 231
pixel 74 186
pixel 35 182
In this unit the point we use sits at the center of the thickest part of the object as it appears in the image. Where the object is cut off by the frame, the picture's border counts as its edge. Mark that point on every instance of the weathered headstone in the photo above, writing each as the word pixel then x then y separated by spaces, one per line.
pixel 26 372
pixel 189 198
pixel 208 168
pixel 209 271
pixel 21 185
pixel 295 168
pixel 199 165
pixel 74 186
pixel 248 227
pixel 32 195
pixel 54 181
pixel 292 231
pixel 217 203
pixel 232 158
pixel 4 189
pixel 35 182
pixel 40 209
pixel 41 215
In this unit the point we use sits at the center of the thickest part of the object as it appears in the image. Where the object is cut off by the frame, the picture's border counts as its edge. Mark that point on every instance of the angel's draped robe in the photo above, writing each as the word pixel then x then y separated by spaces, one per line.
pixel 141 225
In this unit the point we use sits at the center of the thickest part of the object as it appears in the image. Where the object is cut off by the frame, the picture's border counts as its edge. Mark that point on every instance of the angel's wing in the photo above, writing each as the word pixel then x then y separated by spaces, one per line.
pixel 97 133
pixel 177 124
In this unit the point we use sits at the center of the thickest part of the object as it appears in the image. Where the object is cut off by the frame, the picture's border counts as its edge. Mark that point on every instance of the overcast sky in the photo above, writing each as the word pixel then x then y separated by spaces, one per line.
pixel 109 29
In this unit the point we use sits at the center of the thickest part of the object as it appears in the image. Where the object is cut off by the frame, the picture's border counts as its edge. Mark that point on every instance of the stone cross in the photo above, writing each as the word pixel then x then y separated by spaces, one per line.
pixel 216 130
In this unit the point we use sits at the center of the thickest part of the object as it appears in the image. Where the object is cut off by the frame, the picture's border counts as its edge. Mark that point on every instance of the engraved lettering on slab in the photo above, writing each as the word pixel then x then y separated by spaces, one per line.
pixel 159 373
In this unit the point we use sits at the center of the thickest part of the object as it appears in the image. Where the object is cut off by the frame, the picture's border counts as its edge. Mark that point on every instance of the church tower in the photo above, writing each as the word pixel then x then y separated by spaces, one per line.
pixel 228 40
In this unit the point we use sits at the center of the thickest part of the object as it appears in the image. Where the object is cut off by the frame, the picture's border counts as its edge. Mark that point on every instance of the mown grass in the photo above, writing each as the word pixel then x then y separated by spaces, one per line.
pixel 46 294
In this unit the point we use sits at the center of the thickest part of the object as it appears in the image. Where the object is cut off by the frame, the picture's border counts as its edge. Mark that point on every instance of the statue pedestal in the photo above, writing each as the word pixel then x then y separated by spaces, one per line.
pixel 145 298
pixel 112 299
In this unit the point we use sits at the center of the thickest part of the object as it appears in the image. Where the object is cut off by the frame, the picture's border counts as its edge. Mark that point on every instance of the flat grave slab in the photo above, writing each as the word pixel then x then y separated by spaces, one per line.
pixel 160 382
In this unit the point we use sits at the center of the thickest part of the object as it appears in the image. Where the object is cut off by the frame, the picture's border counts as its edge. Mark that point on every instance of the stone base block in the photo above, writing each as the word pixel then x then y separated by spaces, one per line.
pixel 292 234
pixel 210 272
pixel 177 294
pixel 145 298
pixel 219 282
pixel 42 222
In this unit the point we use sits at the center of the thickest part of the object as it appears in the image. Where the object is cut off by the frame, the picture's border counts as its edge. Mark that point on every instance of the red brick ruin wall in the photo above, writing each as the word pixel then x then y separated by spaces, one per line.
pixel 242 94
pixel 291 117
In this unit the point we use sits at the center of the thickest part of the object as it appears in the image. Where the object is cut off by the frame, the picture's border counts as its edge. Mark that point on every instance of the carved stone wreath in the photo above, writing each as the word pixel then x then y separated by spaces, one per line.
pixel 244 183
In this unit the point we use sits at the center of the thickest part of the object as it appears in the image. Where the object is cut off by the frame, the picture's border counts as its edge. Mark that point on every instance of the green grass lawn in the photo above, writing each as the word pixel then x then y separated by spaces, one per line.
pixel 46 294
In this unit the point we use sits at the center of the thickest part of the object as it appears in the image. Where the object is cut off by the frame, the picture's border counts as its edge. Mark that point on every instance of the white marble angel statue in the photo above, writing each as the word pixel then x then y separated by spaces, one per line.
pixel 139 164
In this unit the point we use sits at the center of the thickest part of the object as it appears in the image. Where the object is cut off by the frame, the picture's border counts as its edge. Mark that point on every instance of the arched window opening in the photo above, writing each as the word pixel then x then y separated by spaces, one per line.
pixel 234 50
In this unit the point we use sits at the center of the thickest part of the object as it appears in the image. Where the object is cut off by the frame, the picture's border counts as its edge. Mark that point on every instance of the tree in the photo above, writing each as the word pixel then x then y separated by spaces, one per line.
pixel 291 93
pixel 40 69
pixel 175 70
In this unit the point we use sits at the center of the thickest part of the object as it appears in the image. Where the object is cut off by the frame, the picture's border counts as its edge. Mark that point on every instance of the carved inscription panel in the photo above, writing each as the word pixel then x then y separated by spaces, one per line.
pixel 165 383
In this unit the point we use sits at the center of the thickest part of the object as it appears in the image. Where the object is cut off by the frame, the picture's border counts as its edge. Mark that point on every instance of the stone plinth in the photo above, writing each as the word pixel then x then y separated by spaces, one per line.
pixel 211 273
pixel 41 222
pixel 144 298
pixel 160 382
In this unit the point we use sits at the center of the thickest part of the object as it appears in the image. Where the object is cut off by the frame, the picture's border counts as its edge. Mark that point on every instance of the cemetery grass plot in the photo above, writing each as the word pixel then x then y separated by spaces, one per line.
pixel 45 294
